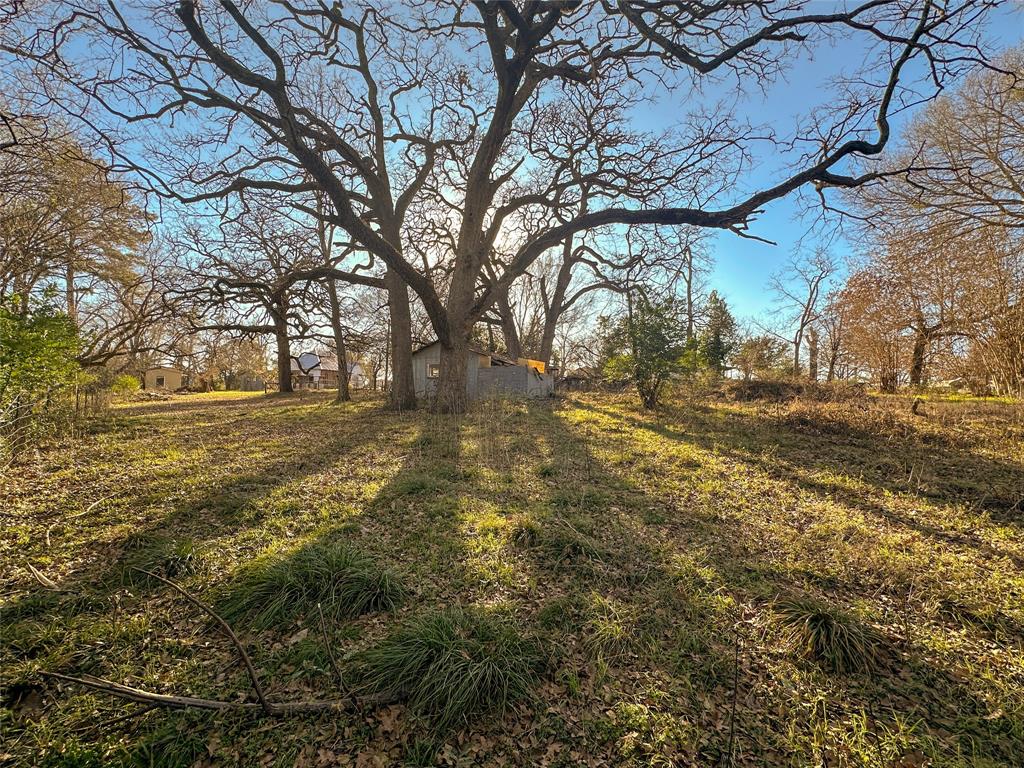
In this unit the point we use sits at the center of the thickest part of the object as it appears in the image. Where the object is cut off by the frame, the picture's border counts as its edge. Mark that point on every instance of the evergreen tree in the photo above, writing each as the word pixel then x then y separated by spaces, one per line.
pixel 719 337
pixel 646 347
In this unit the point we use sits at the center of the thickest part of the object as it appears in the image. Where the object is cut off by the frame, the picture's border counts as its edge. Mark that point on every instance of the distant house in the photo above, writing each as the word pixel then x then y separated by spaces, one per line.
pixel 164 377
pixel 311 371
pixel 358 378
pixel 308 372
pixel 487 373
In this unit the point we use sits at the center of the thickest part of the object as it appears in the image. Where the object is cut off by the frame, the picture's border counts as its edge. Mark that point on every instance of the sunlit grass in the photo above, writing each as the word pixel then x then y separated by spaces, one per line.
pixel 644 551
pixel 331 576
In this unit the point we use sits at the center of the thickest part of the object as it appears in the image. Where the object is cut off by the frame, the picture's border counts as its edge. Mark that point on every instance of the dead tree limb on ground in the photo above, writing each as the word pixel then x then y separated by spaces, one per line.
pixel 264 706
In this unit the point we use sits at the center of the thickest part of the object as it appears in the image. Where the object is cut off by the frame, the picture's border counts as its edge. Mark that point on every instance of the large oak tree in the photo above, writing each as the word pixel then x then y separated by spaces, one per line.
pixel 417 121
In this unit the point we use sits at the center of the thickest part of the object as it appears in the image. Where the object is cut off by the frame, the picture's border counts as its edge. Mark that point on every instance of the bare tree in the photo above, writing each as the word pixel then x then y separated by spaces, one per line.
pixel 799 289
pixel 376 110
pixel 965 158
pixel 874 336
pixel 833 321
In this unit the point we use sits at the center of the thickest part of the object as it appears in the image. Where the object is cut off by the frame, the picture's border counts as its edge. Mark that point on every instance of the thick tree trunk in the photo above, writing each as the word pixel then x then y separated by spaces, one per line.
pixel 547 339
pixel 887 383
pixel 812 354
pixel 833 356
pixel 556 305
pixel 513 347
pixel 343 395
pixel 452 392
pixel 403 392
pixel 888 376
pixel 554 312
pixel 917 358
pixel 284 356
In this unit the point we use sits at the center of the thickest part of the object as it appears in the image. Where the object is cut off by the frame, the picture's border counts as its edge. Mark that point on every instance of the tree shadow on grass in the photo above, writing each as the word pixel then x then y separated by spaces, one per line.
pixel 225 511
pixel 539 509
pixel 943 474
pixel 717 554
pixel 240 513
pixel 415 526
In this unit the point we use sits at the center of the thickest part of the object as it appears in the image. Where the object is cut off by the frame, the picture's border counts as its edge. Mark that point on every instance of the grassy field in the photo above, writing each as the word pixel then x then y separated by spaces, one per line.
pixel 563 583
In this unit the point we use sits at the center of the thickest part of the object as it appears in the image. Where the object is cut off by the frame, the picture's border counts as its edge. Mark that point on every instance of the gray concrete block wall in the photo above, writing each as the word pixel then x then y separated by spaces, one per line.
pixel 481 381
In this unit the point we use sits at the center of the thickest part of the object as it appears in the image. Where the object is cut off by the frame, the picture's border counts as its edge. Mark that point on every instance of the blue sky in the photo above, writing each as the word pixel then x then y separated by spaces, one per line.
pixel 743 267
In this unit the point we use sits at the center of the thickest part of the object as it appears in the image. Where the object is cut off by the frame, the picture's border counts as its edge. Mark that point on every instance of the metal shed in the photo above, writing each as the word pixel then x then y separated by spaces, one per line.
pixel 487 373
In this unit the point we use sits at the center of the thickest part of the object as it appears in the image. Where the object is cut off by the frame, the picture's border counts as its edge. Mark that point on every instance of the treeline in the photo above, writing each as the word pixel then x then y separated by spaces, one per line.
pixel 938 294
pixel 449 157
pixel 934 293
pixel 79 282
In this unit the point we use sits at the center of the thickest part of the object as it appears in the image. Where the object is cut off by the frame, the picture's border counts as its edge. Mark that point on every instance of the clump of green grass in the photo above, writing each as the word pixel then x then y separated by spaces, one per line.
pixel 524 530
pixel 454 665
pixel 182 558
pixel 168 557
pixel 613 631
pixel 564 541
pixel 73 755
pixel 561 541
pixel 341 579
pixel 828 635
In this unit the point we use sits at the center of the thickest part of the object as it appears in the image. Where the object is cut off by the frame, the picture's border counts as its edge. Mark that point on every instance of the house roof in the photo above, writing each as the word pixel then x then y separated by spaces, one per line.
pixel 495 357
pixel 305 362
pixel 308 362
pixel 472 348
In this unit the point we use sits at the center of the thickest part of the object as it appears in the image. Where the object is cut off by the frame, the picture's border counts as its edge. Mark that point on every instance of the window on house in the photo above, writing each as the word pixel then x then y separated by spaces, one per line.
pixel 159 381
pixel 433 370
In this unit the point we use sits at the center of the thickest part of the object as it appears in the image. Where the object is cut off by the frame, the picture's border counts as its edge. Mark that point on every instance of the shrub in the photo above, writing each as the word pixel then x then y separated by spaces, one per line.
pixel 828 635
pixel 279 589
pixel 125 385
pixel 37 373
pixel 453 665
pixel 789 388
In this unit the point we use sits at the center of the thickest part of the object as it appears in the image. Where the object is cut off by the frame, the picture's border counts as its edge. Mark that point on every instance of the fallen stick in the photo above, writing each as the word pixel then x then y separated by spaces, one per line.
pixel 193 702
pixel 249 668
pixel 104 724
pixel 43 579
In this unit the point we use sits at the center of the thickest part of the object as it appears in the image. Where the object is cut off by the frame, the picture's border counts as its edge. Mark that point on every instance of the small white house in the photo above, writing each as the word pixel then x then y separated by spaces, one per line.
pixel 313 371
pixel 358 378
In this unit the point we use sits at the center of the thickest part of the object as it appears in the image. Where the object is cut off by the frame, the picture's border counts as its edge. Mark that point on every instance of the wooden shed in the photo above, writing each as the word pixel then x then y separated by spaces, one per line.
pixel 164 377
